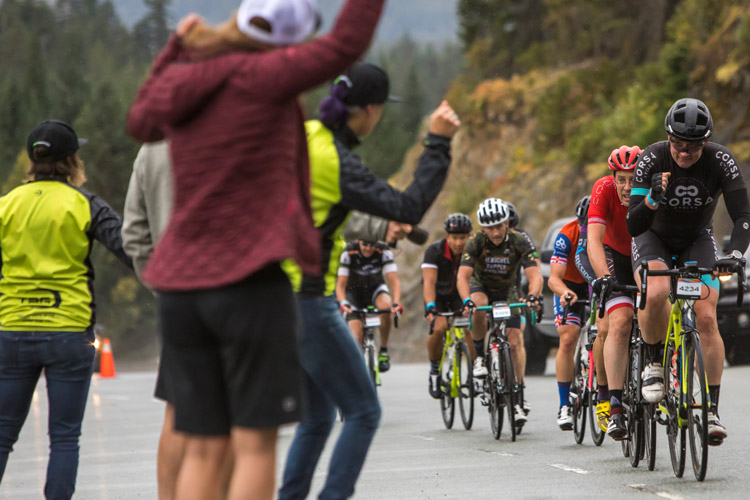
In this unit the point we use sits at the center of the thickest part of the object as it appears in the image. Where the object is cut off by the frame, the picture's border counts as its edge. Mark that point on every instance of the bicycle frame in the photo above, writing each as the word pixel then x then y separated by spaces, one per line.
pixel 453 335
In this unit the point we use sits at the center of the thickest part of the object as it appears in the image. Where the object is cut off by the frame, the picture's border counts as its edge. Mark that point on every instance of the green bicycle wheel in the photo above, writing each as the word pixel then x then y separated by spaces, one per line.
pixel 697 406
pixel 465 379
pixel 447 402
pixel 675 433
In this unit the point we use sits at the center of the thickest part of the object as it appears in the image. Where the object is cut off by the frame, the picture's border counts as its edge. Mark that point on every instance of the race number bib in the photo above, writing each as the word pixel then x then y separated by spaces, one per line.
pixel 688 288
pixel 372 321
pixel 500 310
pixel 461 322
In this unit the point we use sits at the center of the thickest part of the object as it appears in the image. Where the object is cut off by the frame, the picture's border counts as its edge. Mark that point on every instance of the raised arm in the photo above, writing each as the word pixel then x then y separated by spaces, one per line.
pixel 362 190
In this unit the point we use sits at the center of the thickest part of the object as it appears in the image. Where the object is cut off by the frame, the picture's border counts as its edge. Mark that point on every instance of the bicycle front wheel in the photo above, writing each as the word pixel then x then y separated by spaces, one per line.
pixel 370 362
pixel 447 406
pixel 697 406
pixel 597 435
pixel 649 436
pixel 675 432
pixel 509 391
pixel 578 393
pixel 465 380
pixel 635 409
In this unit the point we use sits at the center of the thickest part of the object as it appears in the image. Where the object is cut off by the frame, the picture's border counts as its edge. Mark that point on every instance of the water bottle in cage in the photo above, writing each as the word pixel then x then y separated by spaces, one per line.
pixel 495 354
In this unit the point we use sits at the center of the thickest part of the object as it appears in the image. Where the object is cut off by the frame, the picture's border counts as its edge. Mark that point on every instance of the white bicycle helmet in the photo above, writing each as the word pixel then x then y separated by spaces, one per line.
pixel 492 211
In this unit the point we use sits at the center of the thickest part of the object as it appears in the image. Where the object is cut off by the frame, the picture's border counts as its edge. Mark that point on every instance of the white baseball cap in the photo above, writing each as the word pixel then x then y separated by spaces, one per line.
pixel 292 21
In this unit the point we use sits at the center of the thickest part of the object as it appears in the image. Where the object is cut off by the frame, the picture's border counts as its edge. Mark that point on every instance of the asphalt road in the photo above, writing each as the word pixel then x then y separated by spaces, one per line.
pixel 413 456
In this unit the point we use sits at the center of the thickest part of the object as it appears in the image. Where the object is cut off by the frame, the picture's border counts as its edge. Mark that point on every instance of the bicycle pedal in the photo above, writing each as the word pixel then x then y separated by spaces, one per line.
pixel 484 400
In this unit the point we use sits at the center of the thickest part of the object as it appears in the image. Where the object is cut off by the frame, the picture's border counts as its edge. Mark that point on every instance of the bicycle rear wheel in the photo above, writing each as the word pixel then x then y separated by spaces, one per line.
pixel 466 385
pixel 578 398
pixel 447 406
pixel 675 433
pixel 597 435
pixel 509 390
pixel 697 406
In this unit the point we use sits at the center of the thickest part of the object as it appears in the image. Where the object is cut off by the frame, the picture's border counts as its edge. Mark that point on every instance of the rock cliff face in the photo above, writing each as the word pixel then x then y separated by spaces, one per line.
pixel 496 153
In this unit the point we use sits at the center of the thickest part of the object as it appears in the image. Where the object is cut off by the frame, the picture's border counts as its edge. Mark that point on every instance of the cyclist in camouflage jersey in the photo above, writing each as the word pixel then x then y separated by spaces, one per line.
pixel 488 273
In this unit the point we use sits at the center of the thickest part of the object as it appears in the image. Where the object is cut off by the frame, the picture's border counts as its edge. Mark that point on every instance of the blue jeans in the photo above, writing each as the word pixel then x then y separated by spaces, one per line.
pixel 335 377
pixel 67 359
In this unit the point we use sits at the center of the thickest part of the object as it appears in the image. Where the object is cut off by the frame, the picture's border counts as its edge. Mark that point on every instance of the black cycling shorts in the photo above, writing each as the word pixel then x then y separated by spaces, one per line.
pixel 448 303
pixel 649 247
pixel 620 268
pixel 495 296
pixel 364 296
pixel 230 355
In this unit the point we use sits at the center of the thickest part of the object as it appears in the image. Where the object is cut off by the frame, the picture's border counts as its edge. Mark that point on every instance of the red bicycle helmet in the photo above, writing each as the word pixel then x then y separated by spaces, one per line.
pixel 624 158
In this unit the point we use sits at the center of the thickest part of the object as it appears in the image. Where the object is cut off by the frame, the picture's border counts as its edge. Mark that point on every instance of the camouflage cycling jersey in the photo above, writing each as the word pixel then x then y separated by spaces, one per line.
pixel 496 267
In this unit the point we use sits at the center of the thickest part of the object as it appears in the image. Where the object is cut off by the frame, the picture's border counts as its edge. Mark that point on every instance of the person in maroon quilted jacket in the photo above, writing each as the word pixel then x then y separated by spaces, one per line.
pixel 226 98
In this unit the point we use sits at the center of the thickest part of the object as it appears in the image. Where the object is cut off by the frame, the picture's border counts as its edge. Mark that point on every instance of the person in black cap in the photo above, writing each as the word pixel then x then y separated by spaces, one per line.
pixel 334 371
pixel 46 296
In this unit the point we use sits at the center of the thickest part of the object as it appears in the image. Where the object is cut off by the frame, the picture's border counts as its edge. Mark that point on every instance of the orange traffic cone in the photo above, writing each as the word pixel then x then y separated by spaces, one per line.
pixel 107 362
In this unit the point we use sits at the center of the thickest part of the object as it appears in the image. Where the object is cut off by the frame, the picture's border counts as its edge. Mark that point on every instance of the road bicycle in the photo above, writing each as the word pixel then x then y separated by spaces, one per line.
pixel 684 409
pixel 583 388
pixel 370 318
pixel 640 442
pixel 456 378
pixel 501 390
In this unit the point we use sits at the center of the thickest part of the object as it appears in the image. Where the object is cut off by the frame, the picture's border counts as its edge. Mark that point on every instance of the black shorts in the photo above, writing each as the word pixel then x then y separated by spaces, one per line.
pixel 620 267
pixel 230 355
pixel 448 303
pixel 364 296
pixel 495 296
pixel 649 247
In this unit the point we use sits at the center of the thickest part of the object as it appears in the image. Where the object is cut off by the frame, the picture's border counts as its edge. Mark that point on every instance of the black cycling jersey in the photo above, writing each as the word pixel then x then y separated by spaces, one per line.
pixel 690 198
pixel 366 272
pixel 438 256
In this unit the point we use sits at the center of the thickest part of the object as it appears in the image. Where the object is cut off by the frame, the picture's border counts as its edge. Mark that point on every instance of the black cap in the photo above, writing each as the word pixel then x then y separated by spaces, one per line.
pixel 368 84
pixel 58 136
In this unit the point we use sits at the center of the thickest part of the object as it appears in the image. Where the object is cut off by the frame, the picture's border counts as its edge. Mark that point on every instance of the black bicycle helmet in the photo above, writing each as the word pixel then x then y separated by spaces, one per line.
pixel 689 120
pixel 458 224
pixel 582 210
pixel 513 219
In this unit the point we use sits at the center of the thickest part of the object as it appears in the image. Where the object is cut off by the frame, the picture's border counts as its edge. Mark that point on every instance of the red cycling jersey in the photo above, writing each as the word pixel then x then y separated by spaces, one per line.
pixel 605 208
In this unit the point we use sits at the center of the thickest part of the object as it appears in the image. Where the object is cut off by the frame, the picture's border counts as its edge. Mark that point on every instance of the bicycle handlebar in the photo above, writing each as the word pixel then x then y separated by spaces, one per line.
pixel 692 272
pixel 361 313
pixel 566 309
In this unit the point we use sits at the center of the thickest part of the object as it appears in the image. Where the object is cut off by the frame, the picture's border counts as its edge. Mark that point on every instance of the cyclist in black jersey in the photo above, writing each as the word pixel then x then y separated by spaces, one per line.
pixel 360 284
pixel 676 188
pixel 514 220
pixel 439 269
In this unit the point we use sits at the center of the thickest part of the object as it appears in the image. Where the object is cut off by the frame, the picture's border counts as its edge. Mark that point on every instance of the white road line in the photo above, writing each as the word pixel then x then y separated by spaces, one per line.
pixel 425 438
pixel 662 494
pixel 498 453
pixel 568 468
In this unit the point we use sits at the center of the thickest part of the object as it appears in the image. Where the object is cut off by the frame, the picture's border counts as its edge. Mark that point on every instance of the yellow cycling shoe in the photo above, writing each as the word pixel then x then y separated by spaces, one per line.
pixel 602 414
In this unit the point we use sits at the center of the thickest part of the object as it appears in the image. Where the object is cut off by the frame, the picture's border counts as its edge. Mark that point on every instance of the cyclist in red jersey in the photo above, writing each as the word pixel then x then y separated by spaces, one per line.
pixel 570 289
pixel 609 252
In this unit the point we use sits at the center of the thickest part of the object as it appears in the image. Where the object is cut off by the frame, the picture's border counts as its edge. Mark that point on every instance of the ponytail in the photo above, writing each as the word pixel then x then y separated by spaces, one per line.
pixel 333 110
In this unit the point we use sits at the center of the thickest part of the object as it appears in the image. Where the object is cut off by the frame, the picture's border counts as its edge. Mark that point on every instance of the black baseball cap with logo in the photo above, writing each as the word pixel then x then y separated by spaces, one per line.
pixel 59 138
pixel 368 84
